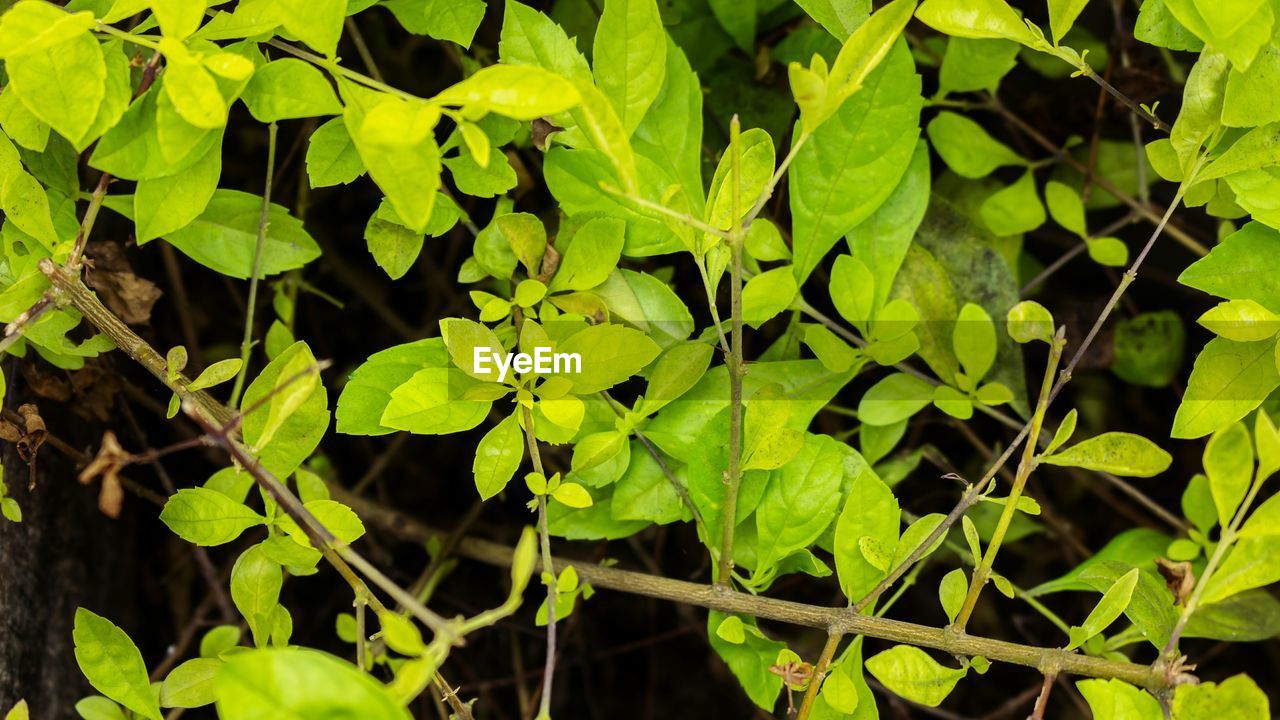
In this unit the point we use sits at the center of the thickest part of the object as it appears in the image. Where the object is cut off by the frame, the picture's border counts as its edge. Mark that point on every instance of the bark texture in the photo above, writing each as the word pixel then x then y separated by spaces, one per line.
pixel 63 555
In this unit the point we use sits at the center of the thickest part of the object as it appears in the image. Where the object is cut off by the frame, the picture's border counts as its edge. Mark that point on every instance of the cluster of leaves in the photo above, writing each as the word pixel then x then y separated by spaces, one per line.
pixel 922 269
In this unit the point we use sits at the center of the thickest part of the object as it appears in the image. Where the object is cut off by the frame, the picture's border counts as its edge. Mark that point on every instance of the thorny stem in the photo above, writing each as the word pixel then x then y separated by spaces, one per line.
pixel 544 539
pixel 983 571
pixel 737 368
pixel 246 343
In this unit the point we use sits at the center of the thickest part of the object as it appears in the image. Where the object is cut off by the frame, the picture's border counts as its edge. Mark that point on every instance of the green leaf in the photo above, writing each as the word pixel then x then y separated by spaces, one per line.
pixel 839 18
pixel 63 83
pixel 861 53
pixel 1028 321
pixel 1118 453
pixel 255 589
pixel 1248 101
pixel 1241 320
pixel 610 354
pixel 112 664
pixel 738 19
pixel 894 398
pixel 453 20
pixel 852 163
pixel 288 428
pixel 317 23
pixel 592 254
pixel 1239 29
pixel 966 147
pixel 1116 700
pixel 909 672
pixel 368 392
pixel 1228 463
pixel 974 341
pixel 34 26
pixel 755 166
pixel 677 369
pixel 332 158
pixel 1200 116
pixel 1062 15
pixel 1108 251
pixel 498 457
pixel 630 57
pixel 190 685
pixel 951 593
pixel 970 65
pixel 207 517
pixel 290 88
pixel 799 502
pixel 768 294
pixel 218 640
pixel 300 683
pixel 1148 348
pixel 18 712
pixel 870 511
pixel 1240 267
pixel 164 205
pixel 975 19
pixel 1065 207
pixel 178 18
pixel 340 520
pixel 225 236
pixel 1015 209
pixel 750 660
pixel 96 707
pixel 408 175
pixel 1237 696
pixel 1111 606
pixel 26 205
pixel 517 92
pixel 1228 381
pixel 881 241
pixel 394 247
pixel 670 134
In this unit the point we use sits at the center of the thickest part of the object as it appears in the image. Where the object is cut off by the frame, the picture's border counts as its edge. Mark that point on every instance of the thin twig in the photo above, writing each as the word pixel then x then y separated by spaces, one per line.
pixel 246 343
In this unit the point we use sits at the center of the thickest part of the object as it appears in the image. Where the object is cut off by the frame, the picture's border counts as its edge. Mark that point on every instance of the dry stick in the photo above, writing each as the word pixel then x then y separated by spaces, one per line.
pixel 983 571
pixel 736 364
pixel 544 538
pixel 68 289
pixel 246 342
pixel 973 492
pixel 1042 700
pixel 785 611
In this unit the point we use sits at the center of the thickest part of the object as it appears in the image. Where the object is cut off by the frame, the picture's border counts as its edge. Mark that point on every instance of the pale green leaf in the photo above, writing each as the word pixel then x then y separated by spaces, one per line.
pixel 1118 453
pixel 112 664
pixel 207 517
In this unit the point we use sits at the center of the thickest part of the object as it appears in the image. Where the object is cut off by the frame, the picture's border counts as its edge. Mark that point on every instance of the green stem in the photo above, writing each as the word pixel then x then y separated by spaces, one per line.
pixel 246 343
pixel 544 538
pixel 983 571
pixel 736 365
